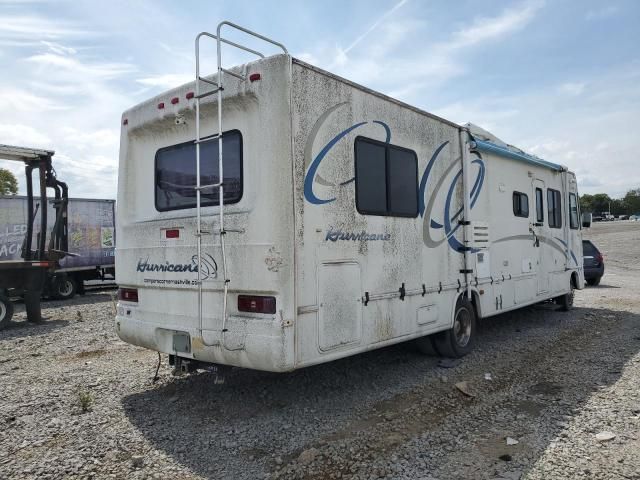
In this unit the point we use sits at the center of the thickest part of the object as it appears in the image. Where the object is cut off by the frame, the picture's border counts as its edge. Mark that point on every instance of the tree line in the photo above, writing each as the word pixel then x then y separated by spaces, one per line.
pixel 600 202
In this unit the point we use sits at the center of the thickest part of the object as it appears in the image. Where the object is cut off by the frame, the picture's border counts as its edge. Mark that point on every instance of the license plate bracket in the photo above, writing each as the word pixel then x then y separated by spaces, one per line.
pixel 181 343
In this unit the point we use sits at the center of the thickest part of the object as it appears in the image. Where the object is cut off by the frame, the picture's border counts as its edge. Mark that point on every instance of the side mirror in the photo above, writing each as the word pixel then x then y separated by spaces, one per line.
pixel 587 219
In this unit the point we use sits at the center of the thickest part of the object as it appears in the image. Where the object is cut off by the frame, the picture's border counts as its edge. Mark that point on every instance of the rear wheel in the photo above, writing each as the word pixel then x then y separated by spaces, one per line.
pixel 64 287
pixel 566 301
pixel 461 338
pixel 594 281
pixel 6 311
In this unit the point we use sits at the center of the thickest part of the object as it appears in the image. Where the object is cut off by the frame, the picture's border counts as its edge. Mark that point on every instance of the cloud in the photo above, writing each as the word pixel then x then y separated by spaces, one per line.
pixel 66 63
pixel 28 27
pixel 573 89
pixel 605 12
pixel 14 100
pixel 166 81
pixel 490 28
pixel 23 135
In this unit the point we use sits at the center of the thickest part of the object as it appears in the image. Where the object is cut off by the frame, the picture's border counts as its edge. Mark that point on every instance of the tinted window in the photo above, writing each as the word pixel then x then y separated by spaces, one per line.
pixel 573 211
pixel 402 182
pixel 371 178
pixel 520 204
pixel 588 249
pixel 386 179
pixel 554 208
pixel 175 176
pixel 539 206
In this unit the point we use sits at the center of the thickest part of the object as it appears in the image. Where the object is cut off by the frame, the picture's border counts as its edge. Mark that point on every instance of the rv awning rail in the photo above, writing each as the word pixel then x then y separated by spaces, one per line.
pixel 489 147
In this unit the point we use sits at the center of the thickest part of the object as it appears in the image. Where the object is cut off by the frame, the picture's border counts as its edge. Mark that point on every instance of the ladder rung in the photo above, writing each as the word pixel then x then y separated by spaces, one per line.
pixel 208 139
pixel 234 74
pixel 211 82
pixel 202 95
pixel 213 185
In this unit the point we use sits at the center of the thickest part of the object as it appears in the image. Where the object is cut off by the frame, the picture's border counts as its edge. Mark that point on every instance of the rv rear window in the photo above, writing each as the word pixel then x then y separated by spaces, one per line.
pixel 520 204
pixel 386 179
pixel 554 208
pixel 175 174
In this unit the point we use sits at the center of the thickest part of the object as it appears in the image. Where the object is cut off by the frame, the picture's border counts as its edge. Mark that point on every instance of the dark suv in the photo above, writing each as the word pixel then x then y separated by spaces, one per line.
pixel 593 263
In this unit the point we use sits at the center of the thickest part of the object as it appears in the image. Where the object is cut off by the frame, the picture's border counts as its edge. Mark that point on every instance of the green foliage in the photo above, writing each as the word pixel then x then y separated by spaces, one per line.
pixel 86 400
pixel 600 202
pixel 8 182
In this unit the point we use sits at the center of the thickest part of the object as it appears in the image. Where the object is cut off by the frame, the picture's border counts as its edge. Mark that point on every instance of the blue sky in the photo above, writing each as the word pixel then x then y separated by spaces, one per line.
pixel 560 79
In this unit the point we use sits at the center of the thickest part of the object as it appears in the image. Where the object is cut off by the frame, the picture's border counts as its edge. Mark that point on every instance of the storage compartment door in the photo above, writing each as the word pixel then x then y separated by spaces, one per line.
pixel 340 305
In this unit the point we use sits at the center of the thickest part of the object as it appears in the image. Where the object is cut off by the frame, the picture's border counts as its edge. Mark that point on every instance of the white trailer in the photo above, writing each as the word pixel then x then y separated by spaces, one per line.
pixel 345 221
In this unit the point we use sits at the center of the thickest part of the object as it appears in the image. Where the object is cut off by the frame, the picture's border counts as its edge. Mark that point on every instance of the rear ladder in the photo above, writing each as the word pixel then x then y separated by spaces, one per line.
pixel 218 88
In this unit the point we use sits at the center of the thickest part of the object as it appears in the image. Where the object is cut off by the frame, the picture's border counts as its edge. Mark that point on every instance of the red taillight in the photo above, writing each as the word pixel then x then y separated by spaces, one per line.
pixel 256 304
pixel 174 100
pixel 172 233
pixel 254 77
pixel 160 105
pixel 128 294
pixel 599 258
pixel 125 121
pixel 190 95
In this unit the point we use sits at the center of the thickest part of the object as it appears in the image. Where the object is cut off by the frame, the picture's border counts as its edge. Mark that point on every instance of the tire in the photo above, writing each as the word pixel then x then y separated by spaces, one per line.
pixel 64 287
pixel 566 301
pixel 6 311
pixel 460 339
pixel 426 347
pixel 594 281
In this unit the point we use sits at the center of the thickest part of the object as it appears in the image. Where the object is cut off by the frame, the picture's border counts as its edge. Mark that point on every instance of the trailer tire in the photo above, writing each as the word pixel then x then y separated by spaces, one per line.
pixel 6 311
pixel 460 339
pixel 64 287
pixel 592 282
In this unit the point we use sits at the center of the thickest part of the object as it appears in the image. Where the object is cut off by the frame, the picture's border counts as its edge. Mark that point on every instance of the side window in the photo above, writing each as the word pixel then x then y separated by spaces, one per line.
pixel 554 208
pixel 386 179
pixel 539 206
pixel 520 204
pixel 573 211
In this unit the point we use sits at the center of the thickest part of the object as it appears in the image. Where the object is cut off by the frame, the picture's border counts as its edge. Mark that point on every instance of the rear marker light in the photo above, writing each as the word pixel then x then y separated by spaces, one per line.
pixel 189 95
pixel 254 77
pixel 172 233
pixel 128 294
pixel 174 100
pixel 256 304
pixel 125 121
pixel 161 105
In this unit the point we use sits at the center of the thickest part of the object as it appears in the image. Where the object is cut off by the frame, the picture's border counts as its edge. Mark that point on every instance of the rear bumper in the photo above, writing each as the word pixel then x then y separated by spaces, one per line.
pixel 249 342
pixel 593 272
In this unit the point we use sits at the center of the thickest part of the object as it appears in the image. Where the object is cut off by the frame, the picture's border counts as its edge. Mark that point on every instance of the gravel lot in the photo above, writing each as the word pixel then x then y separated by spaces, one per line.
pixel 558 380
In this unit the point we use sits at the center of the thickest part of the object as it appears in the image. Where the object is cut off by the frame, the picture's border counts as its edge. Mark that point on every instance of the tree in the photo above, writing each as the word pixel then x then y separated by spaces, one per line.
pixel 632 200
pixel 8 182
pixel 586 203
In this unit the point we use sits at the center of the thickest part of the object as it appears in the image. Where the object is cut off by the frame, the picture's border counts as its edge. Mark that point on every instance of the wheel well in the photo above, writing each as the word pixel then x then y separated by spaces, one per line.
pixel 574 279
pixel 475 301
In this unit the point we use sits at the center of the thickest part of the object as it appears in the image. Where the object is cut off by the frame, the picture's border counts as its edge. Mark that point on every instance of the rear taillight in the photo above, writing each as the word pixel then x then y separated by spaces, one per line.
pixel 256 304
pixel 128 294
pixel 599 258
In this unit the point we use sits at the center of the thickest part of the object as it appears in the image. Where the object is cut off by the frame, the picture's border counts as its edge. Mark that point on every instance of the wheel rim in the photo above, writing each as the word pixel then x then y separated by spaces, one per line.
pixel 65 288
pixel 3 311
pixel 462 327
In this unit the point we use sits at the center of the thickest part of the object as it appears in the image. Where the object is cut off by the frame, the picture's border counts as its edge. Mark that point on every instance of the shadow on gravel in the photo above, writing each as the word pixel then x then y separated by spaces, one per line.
pixel 231 430
pixel 27 329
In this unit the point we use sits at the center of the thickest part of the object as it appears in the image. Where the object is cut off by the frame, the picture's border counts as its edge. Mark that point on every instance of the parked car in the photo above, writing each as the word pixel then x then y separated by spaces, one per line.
pixel 593 262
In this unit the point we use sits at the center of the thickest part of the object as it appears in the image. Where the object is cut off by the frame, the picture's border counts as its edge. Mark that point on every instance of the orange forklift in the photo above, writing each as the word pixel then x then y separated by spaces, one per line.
pixel 27 276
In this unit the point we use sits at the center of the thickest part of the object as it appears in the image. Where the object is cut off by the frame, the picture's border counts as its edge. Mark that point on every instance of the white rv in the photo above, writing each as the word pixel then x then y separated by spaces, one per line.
pixel 345 221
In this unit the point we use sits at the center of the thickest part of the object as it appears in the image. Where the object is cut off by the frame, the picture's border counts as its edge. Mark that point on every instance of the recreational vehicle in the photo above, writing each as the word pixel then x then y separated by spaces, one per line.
pixel 275 216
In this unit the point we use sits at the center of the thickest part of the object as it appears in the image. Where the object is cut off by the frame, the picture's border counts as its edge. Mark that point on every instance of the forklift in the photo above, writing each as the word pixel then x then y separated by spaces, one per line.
pixel 27 276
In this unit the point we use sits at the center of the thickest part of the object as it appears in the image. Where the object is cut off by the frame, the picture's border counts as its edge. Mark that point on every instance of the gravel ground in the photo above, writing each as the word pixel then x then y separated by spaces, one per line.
pixel 75 402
